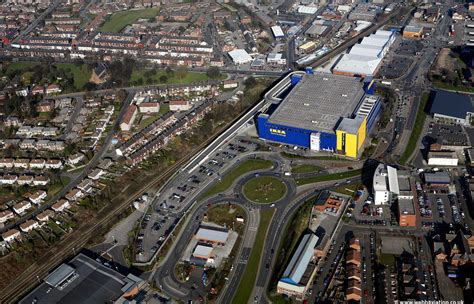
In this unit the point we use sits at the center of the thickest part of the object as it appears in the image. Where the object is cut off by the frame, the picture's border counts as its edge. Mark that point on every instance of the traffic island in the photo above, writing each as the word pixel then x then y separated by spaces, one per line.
pixel 264 189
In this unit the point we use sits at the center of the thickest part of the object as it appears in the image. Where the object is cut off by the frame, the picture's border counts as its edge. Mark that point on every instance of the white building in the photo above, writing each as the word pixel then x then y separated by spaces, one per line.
pixel 440 158
pixel 149 107
pixel 37 197
pixel 21 207
pixel 384 183
pixel 129 118
pixel 11 235
pixel 61 205
pixel 364 59
pixel 75 159
pixel 180 105
pixel 240 56
pixel 6 215
pixel 54 164
pixel 29 225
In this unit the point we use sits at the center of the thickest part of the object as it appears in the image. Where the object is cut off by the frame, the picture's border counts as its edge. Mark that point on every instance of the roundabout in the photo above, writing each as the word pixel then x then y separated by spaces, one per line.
pixel 264 189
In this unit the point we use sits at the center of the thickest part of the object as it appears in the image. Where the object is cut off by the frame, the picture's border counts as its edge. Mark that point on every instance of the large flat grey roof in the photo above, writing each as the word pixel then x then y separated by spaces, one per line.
pixel 318 102
pixel 452 104
pixel 94 283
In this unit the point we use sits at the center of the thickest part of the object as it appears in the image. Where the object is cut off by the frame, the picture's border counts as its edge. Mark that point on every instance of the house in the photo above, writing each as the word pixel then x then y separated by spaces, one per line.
pixel 21 207
pixel 41 180
pixel 37 90
pixel 54 164
pixel 6 215
pixel 8 179
pixel 230 84
pixel 11 235
pixel 45 106
pixel 74 195
pixel 86 185
pixel 180 105
pixel 75 159
pixel 149 107
pixel 61 205
pixel 128 118
pixel 25 180
pixel 6 163
pixel 96 174
pixel 22 163
pixel 45 215
pixel 37 163
pixel 53 88
pixel 29 225
pixel 37 197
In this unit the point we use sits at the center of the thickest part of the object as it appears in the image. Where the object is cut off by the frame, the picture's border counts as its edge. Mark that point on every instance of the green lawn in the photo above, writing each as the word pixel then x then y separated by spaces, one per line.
pixel 250 275
pixel 445 86
pixel 328 177
pixel 416 132
pixel 164 108
pixel 347 189
pixel 116 22
pixel 291 235
pixel 81 73
pixel 171 79
pixel 304 168
pixel 264 189
pixel 244 167
pixel 328 157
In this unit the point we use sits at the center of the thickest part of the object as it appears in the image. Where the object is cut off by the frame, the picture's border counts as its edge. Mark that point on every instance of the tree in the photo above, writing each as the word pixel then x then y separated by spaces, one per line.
pixel 90 86
pixel 250 81
pixel 163 79
pixel 213 72
pixel 181 72
pixel 169 71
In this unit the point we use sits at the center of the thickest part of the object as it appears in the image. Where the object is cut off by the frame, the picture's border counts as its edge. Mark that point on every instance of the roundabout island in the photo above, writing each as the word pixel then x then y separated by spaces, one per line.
pixel 264 189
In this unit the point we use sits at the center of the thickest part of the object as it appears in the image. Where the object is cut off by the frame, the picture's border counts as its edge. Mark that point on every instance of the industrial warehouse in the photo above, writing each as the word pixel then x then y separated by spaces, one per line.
pixel 323 112
pixel 364 59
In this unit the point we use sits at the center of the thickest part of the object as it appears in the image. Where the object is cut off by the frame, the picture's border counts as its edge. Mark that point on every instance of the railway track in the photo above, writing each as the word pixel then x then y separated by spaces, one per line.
pixel 77 240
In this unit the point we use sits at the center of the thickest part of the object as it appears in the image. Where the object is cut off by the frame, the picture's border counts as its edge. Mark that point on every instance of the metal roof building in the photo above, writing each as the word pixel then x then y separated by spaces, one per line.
pixel 84 280
pixel 212 234
pixel 318 101
pixel 277 32
pixel 364 59
pixel 453 107
pixel 437 178
pixel 240 56
pixel 300 259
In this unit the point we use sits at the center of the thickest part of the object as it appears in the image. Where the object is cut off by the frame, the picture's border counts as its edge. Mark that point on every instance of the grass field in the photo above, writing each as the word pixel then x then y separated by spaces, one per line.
pixel 347 189
pixel 164 108
pixel 119 20
pixel 172 79
pixel 244 167
pixel 445 86
pixel 81 73
pixel 304 168
pixel 328 177
pixel 264 189
pixel 295 156
pixel 293 231
pixel 416 132
pixel 250 275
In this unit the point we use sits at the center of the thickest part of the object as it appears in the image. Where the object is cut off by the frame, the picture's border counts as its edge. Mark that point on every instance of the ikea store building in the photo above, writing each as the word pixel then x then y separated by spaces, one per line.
pixel 322 112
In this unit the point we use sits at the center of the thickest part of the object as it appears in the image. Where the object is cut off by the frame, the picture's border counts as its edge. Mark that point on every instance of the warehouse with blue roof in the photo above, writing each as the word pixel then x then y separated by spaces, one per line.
pixel 322 112
pixel 297 274
pixel 452 107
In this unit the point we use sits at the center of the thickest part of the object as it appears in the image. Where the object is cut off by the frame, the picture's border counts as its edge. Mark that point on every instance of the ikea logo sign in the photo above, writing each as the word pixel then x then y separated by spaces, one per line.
pixel 278 132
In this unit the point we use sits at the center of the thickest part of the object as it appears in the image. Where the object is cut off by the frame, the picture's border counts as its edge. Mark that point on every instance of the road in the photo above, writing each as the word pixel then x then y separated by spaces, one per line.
pixel 35 22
